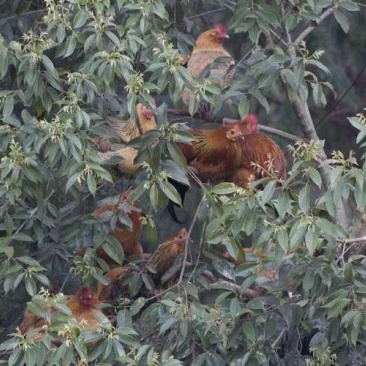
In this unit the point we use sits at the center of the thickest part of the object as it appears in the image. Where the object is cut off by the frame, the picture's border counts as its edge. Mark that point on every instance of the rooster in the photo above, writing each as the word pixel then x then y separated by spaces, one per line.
pixel 231 154
pixel 126 132
pixel 209 60
pixel 81 305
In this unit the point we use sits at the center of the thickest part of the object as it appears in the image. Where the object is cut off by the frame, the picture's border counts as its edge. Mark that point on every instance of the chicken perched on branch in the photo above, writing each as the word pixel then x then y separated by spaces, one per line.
pixel 164 255
pixel 81 305
pixel 231 154
pixel 126 132
pixel 209 60
pixel 161 260
pixel 249 124
pixel 129 238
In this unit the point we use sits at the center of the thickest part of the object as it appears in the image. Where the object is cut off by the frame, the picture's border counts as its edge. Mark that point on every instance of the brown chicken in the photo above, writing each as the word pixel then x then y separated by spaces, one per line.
pixel 82 306
pixel 128 238
pixel 126 132
pixel 162 260
pixel 230 154
pixel 104 291
pixel 163 257
pixel 209 60
pixel 248 124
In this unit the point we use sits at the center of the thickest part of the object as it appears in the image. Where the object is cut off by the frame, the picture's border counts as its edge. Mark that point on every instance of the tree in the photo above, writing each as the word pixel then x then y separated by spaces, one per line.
pixel 67 67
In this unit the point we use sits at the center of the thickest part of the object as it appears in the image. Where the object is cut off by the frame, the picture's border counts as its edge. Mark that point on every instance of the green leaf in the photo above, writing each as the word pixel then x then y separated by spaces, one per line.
pixel 283 240
pixel 348 273
pixel 92 184
pixel 137 306
pixel 70 46
pixel 169 190
pixel 22 237
pixel 80 18
pixel 342 20
pixel 224 188
pixel 48 64
pixel 315 176
pixel 114 250
pixel 311 240
pixel 243 107
pixel 8 107
pixel 304 199
pixel 154 196
pixel 268 192
pixel 349 5
pixel 30 286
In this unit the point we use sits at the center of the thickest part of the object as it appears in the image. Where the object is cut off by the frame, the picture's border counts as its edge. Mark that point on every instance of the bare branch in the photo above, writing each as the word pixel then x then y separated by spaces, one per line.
pixel 280 133
pixel 352 240
pixel 302 110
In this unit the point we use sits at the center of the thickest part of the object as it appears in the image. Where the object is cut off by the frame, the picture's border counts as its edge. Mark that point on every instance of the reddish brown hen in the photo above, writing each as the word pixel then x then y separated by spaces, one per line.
pixel 231 154
pixel 209 60
pixel 82 306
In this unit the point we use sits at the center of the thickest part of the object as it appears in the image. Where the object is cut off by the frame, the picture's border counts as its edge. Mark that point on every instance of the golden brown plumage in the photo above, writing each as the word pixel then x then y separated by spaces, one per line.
pixel 230 154
pixel 249 124
pixel 82 306
pixel 126 132
pixel 104 291
pixel 128 238
pixel 131 129
pixel 162 260
pixel 216 156
pixel 163 257
pixel 209 59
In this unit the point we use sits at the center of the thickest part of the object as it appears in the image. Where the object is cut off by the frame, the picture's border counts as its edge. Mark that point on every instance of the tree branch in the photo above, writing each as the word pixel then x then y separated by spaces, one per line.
pixel 280 133
pixel 302 110
pixel 352 240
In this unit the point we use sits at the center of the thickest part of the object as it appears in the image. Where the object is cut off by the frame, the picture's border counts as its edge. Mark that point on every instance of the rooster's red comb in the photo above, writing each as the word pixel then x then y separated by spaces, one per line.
pixel 221 28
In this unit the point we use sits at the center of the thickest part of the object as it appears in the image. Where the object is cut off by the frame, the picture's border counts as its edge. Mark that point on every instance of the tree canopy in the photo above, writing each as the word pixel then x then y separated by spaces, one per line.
pixel 70 70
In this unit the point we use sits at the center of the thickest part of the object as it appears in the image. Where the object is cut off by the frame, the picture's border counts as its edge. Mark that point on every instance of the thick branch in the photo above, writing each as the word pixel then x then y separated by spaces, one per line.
pixel 302 110
pixel 280 133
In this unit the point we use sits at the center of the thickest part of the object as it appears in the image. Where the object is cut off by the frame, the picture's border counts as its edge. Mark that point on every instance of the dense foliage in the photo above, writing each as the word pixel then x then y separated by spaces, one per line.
pixel 68 65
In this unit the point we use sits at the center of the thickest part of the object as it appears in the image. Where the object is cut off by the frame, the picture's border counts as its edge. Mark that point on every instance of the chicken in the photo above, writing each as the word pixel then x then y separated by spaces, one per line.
pixel 104 291
pixel 126 132
pixel 128 238
pixel 163 257
pixel 231 154
pixel 161 260
pixel 249 124
pixel 209 60
pixel 81 305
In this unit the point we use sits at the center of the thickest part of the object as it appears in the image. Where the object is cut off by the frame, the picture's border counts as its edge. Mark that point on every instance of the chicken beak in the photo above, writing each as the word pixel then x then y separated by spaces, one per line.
pixel 242 137
pixel 226 36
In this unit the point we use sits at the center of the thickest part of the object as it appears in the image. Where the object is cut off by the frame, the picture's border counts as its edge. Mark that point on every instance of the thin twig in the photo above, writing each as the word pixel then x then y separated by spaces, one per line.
pixel 279 38
pixel 206 13
pixel 338 101
pixel 186 246
pixel 273 345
